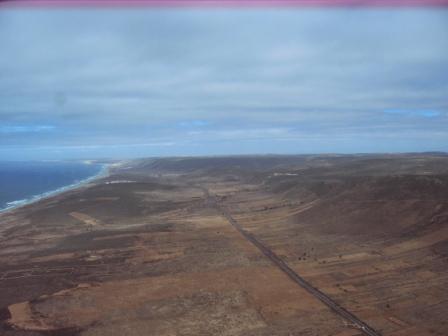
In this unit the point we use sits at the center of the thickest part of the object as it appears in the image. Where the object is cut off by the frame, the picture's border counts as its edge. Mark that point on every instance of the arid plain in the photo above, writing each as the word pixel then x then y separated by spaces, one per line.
pixel 152 249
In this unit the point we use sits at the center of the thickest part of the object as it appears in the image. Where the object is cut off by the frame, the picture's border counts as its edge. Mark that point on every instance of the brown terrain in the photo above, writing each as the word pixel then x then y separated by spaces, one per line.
pixel 257 246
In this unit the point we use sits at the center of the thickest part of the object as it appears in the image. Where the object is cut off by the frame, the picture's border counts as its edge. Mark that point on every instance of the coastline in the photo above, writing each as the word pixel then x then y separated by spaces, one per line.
pixel 104 172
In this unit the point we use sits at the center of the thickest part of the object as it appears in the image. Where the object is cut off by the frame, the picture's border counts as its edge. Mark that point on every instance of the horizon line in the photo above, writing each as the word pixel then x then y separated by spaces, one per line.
pixel 186 156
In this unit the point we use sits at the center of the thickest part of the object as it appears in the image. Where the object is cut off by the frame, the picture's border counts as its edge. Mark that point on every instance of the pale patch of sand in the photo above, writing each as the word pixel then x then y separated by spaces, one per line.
pixel 86 219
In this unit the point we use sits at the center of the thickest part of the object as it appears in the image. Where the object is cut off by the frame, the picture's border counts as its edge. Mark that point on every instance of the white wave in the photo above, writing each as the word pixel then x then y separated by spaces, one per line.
pixel 104 171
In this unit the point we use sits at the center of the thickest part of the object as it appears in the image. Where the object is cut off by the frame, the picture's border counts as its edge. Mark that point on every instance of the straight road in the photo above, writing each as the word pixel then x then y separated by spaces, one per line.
pixel 344 313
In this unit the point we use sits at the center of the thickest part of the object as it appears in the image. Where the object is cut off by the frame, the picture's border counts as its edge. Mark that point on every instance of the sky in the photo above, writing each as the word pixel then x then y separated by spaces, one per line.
pixel 123 83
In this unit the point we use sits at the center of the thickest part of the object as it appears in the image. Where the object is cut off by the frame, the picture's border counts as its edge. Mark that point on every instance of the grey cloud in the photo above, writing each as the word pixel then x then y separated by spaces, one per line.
pixel 109 77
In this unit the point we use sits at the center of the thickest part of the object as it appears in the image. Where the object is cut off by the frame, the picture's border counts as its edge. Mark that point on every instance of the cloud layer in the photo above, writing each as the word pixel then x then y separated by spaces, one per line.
pixel 91 83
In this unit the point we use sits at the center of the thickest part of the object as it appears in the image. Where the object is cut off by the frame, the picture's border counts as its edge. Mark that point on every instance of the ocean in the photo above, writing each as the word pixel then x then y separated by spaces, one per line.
pixel 23 182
